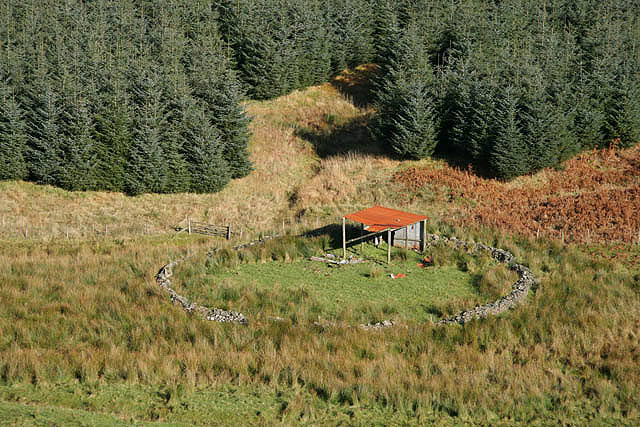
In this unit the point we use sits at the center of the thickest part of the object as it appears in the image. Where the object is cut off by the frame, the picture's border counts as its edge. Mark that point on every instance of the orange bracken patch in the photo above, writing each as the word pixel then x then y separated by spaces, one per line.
pixel 595 198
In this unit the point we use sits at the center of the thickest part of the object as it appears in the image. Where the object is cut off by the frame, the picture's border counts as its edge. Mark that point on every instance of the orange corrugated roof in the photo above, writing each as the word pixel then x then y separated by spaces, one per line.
pixel 379 218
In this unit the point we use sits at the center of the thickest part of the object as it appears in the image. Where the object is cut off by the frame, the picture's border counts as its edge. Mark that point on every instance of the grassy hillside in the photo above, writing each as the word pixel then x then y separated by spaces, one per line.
pixel 86 337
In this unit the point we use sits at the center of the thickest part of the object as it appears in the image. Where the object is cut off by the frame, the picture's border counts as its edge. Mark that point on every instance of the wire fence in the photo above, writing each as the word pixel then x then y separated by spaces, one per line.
pixel 23 228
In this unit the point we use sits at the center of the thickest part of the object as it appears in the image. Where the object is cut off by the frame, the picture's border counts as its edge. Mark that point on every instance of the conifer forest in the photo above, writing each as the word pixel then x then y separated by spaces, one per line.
pixel 147 96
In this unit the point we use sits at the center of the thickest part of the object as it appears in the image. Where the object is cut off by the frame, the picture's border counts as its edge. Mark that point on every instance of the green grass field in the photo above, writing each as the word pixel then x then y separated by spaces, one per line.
pixel 363 292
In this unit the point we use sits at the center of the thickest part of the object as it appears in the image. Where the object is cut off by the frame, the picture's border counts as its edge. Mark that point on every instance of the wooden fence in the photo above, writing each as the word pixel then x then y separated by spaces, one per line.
pixel 207 229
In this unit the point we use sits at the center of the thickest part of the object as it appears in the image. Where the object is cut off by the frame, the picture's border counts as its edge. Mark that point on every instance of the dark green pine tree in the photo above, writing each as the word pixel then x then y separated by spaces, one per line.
pixel 359 33
pixel 543 134
pixel 559 115
pixel 453 110
pixel 80 155
pixel 414 131
pixel 598 88
pixel 179 178
pixel 204 152
pixel 114 136
pixel 482 109
pixel 13 138
pixel 265 53
pixel 509 155
pixel 216 85
pixel 229 117
pixel 44 154
pixel 627 117
pixel 147 167
pixel 178 100
pixel 386 37
pixel 590 115
pixel 340 25
pixel 470 110
pixel 623 106
pixel 312 44
pixel 405 121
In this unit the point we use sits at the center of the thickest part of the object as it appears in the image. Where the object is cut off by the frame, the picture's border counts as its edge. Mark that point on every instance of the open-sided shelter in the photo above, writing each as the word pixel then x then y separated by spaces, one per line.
pixel 403 229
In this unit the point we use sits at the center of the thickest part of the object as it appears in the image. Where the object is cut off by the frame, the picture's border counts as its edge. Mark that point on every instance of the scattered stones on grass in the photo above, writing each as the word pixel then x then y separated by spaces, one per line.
pixel 331 259
pixel 378 325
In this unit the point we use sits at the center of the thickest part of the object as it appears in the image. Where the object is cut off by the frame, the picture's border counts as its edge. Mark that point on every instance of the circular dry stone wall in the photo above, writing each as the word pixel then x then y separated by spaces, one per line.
pixel 519 290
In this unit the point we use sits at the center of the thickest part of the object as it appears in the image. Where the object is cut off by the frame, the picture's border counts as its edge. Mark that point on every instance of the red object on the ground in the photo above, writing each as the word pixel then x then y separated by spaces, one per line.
pixel 426 262
pixel 379 218
pixel 400 276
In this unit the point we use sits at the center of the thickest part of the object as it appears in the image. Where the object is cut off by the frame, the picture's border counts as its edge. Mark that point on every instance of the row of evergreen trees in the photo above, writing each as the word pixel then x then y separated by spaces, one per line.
pixel 123 95
pixel 512 86
pixel 283 45
pixel 145 96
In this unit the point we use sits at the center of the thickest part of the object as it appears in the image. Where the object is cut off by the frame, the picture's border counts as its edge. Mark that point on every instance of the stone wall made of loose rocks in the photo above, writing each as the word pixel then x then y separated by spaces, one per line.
pixel 519 290
pixel 378 325
pixel 190 307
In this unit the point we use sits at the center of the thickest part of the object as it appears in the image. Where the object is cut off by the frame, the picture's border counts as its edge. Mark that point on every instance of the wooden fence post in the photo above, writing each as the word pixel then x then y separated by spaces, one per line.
pixel 189 224
pixel 229 232
pixel 344 238
pixel 389 246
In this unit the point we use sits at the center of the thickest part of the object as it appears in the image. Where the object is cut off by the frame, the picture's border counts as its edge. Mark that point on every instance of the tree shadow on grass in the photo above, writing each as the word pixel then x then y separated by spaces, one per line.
pixel 460 161
pixel 334 234
pixel 357 84
pixel 334 136
pixel 334 139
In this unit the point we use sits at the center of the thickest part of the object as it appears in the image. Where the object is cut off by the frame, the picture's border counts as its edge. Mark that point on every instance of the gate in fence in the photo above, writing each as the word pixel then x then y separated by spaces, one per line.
pixel 194 227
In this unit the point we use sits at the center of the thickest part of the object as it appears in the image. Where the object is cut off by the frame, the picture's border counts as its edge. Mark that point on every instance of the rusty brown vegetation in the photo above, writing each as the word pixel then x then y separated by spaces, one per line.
pixel 595 198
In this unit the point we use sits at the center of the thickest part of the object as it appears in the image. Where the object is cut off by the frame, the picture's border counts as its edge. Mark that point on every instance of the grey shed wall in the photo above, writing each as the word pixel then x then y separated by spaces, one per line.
pixel 415 233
